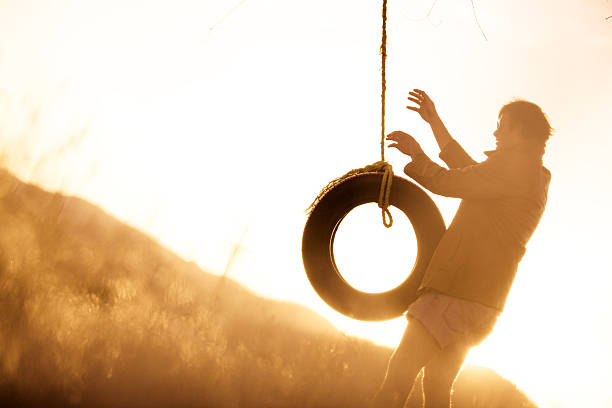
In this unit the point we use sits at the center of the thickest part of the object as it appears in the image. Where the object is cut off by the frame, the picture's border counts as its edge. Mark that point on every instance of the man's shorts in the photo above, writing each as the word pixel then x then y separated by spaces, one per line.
pixel 450 320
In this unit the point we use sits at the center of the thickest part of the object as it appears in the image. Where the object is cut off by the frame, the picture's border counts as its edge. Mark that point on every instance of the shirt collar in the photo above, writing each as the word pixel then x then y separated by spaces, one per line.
pixel 525 148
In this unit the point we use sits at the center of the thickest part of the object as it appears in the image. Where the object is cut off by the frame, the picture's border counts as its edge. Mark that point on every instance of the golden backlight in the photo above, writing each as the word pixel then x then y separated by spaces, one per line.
pixel 371 257
pixel 189 134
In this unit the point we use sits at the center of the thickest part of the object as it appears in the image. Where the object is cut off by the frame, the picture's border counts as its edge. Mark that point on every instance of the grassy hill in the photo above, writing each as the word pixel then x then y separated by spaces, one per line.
pixel 95 313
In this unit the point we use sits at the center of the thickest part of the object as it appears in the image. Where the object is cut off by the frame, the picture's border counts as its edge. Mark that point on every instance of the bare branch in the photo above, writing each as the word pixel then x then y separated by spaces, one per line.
pixel 229 13
pixel 427 16
pixel 431 9
pixel 477 22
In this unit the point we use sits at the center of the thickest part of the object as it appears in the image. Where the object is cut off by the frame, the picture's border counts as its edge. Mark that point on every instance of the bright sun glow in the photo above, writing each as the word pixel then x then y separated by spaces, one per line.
pixel 371 257
pixel 195 135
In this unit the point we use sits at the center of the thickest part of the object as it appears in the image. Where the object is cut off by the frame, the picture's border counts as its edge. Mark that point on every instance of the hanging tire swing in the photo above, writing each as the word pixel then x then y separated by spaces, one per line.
pixel 321 228
pixel 360 186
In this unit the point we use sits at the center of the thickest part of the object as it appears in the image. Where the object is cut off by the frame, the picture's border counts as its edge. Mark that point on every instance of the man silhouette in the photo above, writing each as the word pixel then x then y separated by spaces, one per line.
pixel 470 274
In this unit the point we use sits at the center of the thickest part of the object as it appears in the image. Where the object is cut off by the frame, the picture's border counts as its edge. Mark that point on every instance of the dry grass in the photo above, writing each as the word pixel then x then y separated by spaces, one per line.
pixel 97 314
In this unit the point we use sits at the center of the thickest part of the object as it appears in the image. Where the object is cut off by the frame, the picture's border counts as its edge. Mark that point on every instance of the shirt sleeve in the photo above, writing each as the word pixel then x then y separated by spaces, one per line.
pixel 454 156
pixel 492 178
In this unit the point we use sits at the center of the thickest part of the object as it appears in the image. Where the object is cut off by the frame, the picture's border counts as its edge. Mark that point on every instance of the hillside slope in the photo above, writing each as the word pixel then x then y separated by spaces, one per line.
pixel 98 314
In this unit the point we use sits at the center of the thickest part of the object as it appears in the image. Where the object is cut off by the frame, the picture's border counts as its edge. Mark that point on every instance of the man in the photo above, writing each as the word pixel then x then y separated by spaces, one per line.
pixel 470 274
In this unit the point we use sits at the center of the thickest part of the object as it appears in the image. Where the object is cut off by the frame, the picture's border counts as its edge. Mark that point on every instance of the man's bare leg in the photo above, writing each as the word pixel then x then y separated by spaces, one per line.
pixel 440 373
pixel 414 351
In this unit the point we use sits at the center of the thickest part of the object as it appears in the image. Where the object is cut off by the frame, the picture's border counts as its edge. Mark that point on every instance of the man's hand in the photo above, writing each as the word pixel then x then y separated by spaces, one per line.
pixel 404 143
pixel 426 108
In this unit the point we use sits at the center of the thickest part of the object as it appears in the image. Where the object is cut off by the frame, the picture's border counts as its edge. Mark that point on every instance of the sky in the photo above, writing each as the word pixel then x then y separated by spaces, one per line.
pixel 212 126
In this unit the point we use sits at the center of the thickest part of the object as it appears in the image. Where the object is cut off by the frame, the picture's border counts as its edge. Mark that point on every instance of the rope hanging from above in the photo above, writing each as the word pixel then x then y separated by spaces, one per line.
pixel 383 73
pixel 382 165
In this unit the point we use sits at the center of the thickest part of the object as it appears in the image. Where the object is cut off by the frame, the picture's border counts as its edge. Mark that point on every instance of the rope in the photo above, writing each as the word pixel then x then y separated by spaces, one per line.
pixel 382 165
pixel 383 74
pixel 385 186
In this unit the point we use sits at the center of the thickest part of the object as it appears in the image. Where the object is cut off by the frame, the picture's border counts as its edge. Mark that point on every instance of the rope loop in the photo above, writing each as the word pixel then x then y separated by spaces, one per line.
pixel 385 188
pixel 385 192
pixel 387 214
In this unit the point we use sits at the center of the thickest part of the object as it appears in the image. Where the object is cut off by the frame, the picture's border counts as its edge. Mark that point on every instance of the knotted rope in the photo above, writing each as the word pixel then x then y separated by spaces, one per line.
pixel 382 165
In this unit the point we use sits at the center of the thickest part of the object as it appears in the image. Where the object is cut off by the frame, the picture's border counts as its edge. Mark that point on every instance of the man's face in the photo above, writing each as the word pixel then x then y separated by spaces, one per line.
pixel 506 134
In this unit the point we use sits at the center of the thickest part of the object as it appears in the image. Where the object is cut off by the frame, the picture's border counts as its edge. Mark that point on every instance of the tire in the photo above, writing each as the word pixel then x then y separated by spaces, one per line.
pixel 320 231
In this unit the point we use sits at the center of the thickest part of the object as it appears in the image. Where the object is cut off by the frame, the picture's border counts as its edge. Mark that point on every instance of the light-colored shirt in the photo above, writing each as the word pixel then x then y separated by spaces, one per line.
pixel 503 199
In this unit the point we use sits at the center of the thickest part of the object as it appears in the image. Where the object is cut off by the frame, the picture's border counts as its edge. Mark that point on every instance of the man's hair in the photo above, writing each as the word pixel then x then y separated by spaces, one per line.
pixel 529 116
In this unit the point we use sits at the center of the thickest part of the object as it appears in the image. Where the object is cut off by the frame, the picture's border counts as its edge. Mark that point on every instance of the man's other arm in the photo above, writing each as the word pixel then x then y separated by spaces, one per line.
pixel 489 179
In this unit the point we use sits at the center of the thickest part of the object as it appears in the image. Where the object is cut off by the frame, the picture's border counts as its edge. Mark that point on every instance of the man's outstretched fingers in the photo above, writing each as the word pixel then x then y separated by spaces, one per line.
pixel 418 95
pixel 394 135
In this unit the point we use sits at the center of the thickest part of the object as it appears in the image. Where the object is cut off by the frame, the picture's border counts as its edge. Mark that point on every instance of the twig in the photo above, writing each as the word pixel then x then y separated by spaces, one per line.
pixel 430 9
pixel 428 15
pixel 230 260
pixel 232 257
pixel 229 13
pixel 477 22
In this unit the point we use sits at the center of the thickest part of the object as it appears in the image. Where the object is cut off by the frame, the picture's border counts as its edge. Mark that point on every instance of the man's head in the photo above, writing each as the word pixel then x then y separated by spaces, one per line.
pixel 520 121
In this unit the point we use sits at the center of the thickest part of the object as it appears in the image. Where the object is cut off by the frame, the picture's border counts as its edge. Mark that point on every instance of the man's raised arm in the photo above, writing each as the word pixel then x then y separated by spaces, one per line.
pixel 450 151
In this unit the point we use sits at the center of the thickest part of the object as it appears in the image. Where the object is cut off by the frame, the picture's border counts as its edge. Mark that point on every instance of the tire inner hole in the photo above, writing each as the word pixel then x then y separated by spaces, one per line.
pixel 371 257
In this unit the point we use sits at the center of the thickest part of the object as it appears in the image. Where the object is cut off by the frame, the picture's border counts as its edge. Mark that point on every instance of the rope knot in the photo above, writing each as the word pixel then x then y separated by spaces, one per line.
pixel 385 192
pixel 385 188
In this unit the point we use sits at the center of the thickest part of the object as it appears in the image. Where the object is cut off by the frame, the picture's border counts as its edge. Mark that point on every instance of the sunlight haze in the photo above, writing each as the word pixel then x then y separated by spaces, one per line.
pixel 212 128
